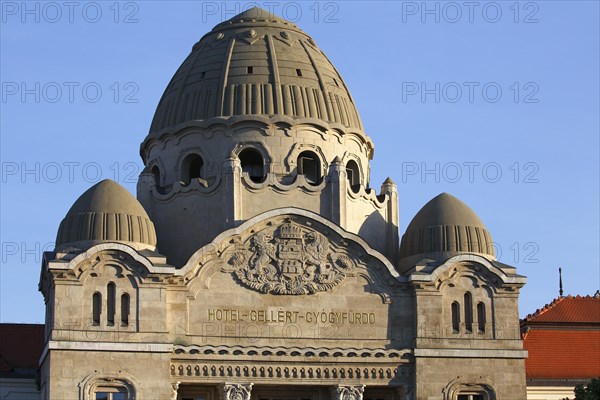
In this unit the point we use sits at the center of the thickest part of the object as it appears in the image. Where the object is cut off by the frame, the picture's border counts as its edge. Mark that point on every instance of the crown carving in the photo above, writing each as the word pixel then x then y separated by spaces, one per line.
pixel 290 231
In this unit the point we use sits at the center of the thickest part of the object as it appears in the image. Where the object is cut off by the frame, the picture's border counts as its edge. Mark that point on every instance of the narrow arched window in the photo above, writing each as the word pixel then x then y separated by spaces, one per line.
pixel 110 303
pixel 309 166
pixel 455 317
pixel 96 308
pixel 472 396
pixel 125 309
pixel 253 164
pixel 155 171
pixel 353 174
pixel 468 312
pixel 192 167
pixel 481 317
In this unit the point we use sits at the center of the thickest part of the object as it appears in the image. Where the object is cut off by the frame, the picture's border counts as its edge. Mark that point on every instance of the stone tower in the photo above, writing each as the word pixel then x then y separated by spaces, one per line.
pixel 257 263
pixel 257 118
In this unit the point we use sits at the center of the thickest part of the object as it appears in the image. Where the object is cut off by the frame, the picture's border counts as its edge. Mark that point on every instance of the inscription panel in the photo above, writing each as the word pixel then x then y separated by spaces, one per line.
pixel 241 316
pixel 286 316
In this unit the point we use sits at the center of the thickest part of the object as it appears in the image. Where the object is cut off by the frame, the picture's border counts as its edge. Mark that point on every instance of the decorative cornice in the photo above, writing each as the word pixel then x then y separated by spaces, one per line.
pixel 315 373
pixel 429 275
pixel 269 123
pixel 258 352
pixel 111 346
pixel 469 353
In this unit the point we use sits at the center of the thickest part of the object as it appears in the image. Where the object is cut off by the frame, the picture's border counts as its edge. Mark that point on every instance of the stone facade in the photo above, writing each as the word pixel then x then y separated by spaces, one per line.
pixel 259 263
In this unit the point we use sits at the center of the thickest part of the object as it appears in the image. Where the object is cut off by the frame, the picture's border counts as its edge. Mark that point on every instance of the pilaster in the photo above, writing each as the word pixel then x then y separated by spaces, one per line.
pixel 232 193
pixel 338 187
pixel 391 235
pixel 146 183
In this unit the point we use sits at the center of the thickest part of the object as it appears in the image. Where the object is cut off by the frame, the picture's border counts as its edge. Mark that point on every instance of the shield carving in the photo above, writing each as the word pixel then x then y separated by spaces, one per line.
pixel 290 246
pixel 289 259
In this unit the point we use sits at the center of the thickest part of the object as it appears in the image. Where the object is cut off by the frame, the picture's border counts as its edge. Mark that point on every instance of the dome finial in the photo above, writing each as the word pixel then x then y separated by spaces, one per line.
pixel 257 14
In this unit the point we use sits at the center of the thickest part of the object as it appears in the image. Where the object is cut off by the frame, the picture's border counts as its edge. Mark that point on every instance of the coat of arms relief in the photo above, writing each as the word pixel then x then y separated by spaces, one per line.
pixel 289 259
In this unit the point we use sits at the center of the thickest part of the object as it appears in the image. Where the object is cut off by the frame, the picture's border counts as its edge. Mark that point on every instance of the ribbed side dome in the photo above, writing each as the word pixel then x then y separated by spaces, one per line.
pixel 443 227
pixel 106 212
pixel 256 64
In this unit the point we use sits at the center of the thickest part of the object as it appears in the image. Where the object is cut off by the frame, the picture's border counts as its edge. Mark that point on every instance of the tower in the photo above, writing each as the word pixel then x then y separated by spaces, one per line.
pixel 257 118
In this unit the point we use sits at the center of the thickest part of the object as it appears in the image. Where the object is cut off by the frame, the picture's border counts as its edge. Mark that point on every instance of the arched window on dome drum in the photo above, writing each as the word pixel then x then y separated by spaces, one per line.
pixel 96 308
pixel 481 317
pixel 110 303
pixel 455 317
pixel 468 312
pixel 253 164
pixel 125 309
pixel 309 166
pixel 192 167
pixel 353 174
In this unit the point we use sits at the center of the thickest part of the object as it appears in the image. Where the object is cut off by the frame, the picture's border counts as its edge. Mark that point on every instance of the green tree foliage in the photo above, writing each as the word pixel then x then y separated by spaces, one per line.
pixel 589 392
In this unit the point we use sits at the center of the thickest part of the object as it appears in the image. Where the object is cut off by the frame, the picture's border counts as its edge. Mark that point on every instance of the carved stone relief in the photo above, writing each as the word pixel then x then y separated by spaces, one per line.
pixel 289 259
pixel 347 392
pixel 174 390
pixel 235 391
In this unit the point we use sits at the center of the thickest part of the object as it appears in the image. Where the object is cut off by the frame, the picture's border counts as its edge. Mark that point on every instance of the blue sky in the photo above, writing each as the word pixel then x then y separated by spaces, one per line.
pixel 494 102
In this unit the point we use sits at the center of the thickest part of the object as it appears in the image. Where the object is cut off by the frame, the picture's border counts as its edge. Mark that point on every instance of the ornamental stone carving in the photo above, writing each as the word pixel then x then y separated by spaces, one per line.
pixel 235 391
pixel 174 390
pixel 289 259
pixel 348 392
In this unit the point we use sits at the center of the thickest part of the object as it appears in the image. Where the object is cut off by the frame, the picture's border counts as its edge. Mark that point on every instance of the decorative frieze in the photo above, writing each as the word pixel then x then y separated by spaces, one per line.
pixel 321 352
pixel 214 372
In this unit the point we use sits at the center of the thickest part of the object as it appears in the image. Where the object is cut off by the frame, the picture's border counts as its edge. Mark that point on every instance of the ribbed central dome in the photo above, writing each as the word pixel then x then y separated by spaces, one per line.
pixel 256 64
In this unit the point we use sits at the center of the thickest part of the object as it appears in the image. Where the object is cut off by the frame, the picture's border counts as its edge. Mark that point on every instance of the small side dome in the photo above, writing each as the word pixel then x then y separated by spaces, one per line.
pixel 443 228
pixel 106 212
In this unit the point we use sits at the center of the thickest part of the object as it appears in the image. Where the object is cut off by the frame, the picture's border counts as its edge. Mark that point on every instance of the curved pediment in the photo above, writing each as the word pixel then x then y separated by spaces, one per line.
pixel 473 265
pixel 290 276
pixel 290 252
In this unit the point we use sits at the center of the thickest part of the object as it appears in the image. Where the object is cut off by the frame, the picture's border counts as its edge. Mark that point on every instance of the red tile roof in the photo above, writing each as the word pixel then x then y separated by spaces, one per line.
pixel 563 339
pixel 562 353
pixel 576 309
pixel 21 346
